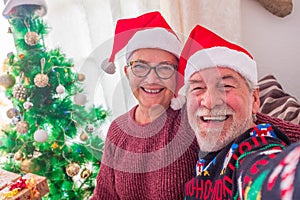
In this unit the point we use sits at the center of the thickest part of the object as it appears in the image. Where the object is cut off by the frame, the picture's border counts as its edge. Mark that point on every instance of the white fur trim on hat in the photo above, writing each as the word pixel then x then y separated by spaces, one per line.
pixel 154 38
pixel 178 102
pixel 222 56
pixel 10 4
pixel 108 67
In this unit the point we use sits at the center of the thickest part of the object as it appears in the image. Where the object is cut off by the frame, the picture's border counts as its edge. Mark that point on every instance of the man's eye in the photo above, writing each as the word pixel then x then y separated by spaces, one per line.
pixel 197 89
pixel 226 87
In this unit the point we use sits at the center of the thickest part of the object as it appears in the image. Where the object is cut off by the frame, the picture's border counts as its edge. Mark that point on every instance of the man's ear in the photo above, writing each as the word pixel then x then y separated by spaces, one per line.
pixel 256 101
pixel 126 71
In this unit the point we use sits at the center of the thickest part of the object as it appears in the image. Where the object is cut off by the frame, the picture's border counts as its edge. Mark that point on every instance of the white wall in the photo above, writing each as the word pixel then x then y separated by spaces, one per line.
pixel 274 43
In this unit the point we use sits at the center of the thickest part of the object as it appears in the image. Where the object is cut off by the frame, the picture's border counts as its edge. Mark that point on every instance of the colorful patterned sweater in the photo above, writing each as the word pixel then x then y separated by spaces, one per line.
pixel 254 166
pixel 153 161
pixel 160 174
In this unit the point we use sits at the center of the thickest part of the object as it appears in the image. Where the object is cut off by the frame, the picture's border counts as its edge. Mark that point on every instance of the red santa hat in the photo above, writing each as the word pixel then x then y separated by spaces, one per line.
pixel 149 30
pixel 204 49
pixel 11 4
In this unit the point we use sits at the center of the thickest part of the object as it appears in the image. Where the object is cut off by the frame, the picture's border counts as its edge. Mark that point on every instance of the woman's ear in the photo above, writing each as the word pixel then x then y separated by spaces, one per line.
pixel 256 101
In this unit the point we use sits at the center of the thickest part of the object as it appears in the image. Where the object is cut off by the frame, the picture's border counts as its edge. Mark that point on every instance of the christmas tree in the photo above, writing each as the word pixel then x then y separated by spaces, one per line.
pixel 52 133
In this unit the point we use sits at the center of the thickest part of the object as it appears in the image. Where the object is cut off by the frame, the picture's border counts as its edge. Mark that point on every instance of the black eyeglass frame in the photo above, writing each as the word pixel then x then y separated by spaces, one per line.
pixel 130 64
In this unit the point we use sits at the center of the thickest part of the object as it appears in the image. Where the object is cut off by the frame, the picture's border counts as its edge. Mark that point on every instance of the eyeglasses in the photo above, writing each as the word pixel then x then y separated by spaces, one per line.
pixel 142 69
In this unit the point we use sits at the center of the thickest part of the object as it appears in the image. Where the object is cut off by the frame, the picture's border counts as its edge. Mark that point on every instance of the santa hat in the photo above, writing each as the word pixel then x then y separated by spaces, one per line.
pixel 149 30
pixel 11 4
pixel 204 49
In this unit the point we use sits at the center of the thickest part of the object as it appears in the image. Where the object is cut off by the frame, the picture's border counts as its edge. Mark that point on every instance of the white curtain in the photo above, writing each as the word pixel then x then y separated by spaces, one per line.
pixel 84 29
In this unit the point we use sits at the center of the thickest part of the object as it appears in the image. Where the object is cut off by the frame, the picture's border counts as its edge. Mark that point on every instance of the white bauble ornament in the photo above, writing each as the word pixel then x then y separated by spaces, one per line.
pixel 60 89
pixel 40 135
pixel 80 99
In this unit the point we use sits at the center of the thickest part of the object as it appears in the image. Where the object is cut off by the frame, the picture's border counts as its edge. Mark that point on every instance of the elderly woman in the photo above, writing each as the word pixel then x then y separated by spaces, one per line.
pixel 149 154
pixel 151 151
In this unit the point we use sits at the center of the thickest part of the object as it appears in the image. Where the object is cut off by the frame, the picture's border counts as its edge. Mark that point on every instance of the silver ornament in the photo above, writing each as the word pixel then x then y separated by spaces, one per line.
pixel 19 92
pixel 72 169
pixel 22 127
pixel 31 38
pixel 12 112
pixel 41 80
pixel 7 80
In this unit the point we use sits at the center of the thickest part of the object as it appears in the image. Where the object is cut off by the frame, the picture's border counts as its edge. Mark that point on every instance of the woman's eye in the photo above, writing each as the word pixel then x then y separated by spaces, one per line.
pixel 139 66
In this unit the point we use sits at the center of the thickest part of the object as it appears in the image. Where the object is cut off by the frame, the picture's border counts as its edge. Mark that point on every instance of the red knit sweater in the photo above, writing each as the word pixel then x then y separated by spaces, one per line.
pixel 154 161
pixel 147 162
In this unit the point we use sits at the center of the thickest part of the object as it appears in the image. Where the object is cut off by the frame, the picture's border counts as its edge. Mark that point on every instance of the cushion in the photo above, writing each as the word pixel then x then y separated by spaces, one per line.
pixel 276 102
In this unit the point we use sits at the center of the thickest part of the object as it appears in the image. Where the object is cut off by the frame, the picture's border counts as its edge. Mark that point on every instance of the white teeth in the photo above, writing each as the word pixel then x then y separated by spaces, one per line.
pixel 215 118
pixel 151 91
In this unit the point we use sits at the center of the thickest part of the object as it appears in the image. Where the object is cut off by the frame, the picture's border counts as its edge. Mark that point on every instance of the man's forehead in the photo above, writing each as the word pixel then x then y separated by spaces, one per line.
pixel 216 72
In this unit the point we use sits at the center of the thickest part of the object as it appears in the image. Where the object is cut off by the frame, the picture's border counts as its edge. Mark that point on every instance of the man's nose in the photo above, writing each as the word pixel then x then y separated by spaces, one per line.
pixel 212 98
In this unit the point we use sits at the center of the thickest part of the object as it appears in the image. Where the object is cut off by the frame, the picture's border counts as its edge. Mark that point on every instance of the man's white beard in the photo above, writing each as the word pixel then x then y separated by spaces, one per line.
pixel 214 139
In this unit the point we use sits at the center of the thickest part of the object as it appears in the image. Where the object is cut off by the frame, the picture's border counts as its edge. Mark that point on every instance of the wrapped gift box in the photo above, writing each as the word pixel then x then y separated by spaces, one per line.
pixel 36 187
pixel 7 177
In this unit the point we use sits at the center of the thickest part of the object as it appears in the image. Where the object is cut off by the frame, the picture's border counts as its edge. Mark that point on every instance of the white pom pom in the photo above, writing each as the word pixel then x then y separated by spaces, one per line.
pixel 108 67
pixel 178 102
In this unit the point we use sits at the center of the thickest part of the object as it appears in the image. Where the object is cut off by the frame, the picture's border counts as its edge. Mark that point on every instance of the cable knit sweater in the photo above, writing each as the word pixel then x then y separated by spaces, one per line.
pixel 154 161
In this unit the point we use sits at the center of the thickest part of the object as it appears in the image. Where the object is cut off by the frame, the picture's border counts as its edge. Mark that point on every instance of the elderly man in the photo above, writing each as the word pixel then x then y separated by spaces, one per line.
pixel 237 159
